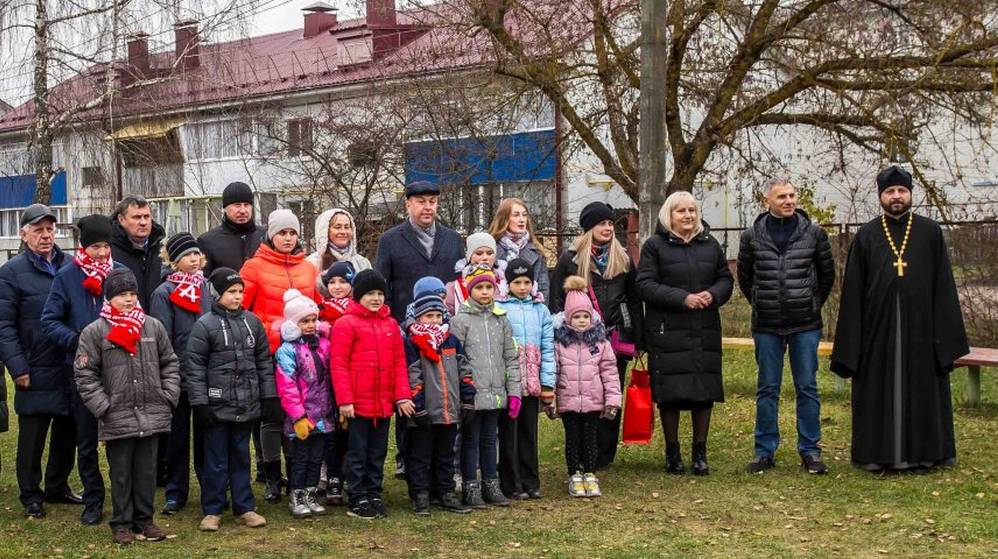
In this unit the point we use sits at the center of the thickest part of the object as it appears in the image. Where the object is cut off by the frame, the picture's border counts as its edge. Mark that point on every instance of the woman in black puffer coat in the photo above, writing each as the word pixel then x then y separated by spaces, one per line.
pixel 683 278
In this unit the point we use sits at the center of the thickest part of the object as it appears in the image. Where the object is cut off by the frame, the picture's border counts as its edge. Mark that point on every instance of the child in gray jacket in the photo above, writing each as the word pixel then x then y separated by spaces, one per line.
pixel 487 336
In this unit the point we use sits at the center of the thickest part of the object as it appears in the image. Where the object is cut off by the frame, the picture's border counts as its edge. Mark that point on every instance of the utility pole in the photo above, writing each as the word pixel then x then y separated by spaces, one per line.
pixel 652 133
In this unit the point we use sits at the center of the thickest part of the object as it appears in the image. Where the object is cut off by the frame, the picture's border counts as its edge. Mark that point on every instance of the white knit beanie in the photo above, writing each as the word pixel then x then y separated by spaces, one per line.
pixel 476 241
pixel 280 220
pixel 298 306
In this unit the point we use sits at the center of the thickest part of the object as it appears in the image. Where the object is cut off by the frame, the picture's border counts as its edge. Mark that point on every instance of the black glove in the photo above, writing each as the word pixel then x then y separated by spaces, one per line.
pixel 271 410
pixel 205 416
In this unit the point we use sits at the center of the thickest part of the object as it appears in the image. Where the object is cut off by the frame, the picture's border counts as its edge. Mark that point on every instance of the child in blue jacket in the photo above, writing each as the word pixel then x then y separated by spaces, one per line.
pixel 534 336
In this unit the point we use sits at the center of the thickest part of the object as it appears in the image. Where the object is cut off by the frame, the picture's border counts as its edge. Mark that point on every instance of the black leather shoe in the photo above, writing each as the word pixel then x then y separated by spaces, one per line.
pixel 67 498
pixel 92 516
pixel 35 510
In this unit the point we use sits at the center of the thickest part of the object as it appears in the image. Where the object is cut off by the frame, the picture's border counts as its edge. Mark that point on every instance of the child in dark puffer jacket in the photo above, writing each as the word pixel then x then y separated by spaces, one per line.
pixel 230 379
pixel 370 380
pixel 442 387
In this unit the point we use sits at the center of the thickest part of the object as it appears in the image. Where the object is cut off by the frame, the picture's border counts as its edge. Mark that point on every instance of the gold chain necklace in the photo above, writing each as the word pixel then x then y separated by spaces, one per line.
pixel 900 264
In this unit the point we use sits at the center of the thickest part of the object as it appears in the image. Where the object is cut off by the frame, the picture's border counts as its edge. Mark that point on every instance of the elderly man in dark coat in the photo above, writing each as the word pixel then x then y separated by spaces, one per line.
pixel 42 377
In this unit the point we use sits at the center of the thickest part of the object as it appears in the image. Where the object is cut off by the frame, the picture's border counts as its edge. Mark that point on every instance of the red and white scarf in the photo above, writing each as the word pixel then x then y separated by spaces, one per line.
pixel 428 338
pixel 333 308
pixel 187 294
pixel 126 328
pixel 94 269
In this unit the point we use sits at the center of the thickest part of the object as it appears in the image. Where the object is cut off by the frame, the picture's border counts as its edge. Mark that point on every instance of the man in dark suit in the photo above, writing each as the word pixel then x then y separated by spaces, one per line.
pixel 415 248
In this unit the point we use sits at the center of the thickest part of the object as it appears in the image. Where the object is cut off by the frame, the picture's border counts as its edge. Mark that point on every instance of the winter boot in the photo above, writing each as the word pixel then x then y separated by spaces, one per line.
pixel 297 504
pixel 421 504
pixel 334 492
pixel 700 467
pixel 273 472
pixel 492 493
pixel 312 501
pixel 673 459
pixel 472 493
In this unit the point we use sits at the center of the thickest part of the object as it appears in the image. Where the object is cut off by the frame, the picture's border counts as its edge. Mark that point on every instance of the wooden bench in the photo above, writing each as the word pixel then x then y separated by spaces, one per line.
pixel 973 361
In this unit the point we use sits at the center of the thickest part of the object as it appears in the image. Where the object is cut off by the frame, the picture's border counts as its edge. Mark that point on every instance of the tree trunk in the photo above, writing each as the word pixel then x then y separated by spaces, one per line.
pixel 652 142
pixel 41 139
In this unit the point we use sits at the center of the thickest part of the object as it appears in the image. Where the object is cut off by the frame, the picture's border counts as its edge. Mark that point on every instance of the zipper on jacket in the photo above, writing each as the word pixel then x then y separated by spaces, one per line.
pixel 488 344
pixel 446 389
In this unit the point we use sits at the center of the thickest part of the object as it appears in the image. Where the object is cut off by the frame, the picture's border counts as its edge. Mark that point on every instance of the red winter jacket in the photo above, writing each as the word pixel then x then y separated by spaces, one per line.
pixel 367 362
pixel 266 277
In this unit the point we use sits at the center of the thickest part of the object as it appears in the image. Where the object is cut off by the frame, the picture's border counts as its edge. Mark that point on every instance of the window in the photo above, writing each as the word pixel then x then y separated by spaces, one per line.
pixel 216 140
pixel 270 138
pixel 299 137
pixel 93 177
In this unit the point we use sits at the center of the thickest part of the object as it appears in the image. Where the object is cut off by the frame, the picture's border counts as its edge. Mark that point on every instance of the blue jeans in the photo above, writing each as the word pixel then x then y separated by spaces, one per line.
pixel 226 466
pixel 478 445
pixel 769 351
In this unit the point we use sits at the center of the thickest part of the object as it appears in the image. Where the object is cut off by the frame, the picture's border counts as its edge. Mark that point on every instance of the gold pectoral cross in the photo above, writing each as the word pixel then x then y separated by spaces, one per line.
pixel 900 265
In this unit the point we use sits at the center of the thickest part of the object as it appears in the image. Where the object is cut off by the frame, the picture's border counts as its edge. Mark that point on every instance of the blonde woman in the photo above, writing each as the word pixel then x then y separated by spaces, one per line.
pixel 597 256
pixel 683 278
pixel 515 238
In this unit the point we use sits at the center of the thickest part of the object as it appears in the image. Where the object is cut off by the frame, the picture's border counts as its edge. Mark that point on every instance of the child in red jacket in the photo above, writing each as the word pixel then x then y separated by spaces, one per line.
pixel 370 379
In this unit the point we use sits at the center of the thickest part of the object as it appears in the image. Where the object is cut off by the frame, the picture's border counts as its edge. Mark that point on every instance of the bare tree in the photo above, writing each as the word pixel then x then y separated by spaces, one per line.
pixel 864 73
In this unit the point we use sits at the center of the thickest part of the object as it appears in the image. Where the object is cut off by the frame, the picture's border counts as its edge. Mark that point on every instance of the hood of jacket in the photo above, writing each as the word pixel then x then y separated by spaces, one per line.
pixel 674 239
pixel 270 254
pixel 322 230
pixel 566 335
pixel 120 238
pixel 357 309
pixel 471 306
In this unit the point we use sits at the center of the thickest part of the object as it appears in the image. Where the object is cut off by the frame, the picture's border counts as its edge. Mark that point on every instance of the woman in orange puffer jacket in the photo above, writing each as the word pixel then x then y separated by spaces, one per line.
pixel 278 265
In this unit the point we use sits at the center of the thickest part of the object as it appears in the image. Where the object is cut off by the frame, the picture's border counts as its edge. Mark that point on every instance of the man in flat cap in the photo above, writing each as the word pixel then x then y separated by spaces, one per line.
pixel 415 248
pixel 899 331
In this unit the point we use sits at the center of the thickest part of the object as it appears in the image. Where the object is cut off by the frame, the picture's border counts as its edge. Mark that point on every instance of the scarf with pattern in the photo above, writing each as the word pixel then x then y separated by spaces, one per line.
pixel 428 338
pixel 601 255
pixel 514 243
pixel 94 269
pixel 126 327
pixel 187 294
pixel 332 308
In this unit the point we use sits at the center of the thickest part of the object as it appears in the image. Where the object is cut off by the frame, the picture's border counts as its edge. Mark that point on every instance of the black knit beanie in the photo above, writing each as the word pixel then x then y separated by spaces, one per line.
pixel 94 229
pixel 367 281
pixel 594 213
pixel 237 192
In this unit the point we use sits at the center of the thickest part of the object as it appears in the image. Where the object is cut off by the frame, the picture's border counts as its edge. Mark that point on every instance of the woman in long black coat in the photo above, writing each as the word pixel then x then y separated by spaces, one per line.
pixel 683 277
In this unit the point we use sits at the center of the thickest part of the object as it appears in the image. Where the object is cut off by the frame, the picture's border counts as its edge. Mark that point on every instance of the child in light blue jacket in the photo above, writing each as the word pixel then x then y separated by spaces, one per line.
pixel 534 336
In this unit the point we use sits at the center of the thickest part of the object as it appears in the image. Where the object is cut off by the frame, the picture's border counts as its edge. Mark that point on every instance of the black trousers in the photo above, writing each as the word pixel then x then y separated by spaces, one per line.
pixel 178 453
pixel 518 472
pixel 336 452
pixel 401 438
pixel 429 462
pixel 32 430
pixel 306 462
pixel 132 462
pixel 366 451
pixel 581 448
pixel 226 468
pixel 88 458
pixel 609 429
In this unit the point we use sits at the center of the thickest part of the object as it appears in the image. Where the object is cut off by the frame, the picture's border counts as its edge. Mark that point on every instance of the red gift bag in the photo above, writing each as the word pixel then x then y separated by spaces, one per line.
pixel 639 410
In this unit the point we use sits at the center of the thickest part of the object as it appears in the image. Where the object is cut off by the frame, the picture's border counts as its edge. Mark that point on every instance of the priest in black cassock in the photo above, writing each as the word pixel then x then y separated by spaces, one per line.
pixel 899 331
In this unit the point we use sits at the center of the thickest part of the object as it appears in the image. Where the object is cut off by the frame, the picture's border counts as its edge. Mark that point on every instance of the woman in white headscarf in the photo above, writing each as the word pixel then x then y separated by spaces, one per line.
pixel 335 241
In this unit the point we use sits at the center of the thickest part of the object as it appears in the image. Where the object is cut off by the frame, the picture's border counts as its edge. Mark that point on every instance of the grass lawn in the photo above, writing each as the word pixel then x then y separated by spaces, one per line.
pixel 643 513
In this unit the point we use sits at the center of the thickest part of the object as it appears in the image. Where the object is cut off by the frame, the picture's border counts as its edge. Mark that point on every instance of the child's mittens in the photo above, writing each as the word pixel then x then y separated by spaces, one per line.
pixel 303 427
pixel 513 403
pixel 609 412
pixel 468 391
pixel 547 395
pixel 419 400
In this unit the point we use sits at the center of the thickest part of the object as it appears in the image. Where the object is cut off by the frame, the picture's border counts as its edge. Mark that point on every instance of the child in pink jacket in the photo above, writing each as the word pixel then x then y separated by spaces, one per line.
pixel 302 375
pixel 588 387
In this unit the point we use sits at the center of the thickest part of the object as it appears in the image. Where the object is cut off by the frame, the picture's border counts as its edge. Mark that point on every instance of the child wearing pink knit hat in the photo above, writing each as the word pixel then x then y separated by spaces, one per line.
pixel 588 387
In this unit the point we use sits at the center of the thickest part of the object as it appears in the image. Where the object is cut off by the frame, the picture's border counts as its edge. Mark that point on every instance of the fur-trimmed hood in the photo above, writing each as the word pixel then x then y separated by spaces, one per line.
pixel 566 335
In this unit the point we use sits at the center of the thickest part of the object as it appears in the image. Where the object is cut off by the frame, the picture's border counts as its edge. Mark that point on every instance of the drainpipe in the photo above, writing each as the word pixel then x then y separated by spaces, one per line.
pixel 559 210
